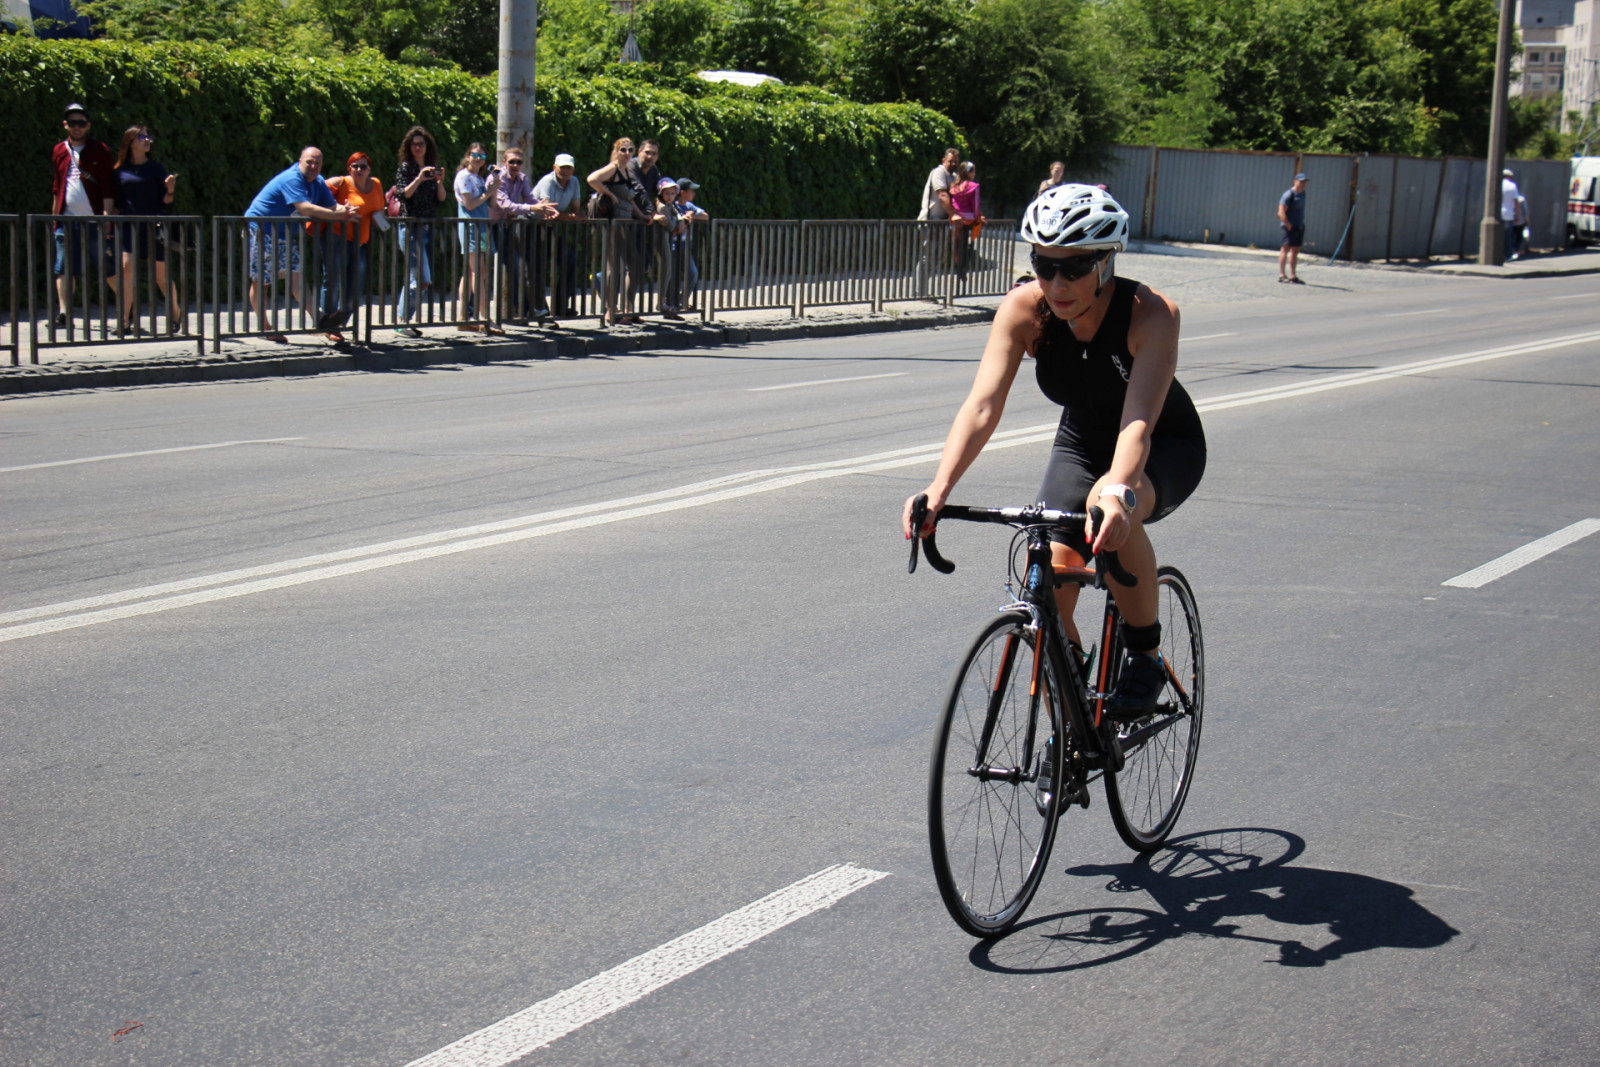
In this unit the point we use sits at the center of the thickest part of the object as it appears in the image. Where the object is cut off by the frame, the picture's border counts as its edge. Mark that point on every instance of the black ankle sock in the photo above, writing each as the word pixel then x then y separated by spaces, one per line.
pixel 1142 638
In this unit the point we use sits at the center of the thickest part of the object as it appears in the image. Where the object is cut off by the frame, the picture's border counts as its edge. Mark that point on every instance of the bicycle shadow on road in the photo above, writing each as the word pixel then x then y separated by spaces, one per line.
pixel 1235 884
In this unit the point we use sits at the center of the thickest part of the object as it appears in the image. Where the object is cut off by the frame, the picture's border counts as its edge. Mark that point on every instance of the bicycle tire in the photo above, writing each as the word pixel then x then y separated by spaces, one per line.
pixel 1147 795
pixel 991 833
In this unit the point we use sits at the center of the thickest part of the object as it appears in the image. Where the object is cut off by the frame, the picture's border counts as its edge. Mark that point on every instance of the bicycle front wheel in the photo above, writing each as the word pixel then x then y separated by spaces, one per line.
pixel 994 789
pixel 1147 795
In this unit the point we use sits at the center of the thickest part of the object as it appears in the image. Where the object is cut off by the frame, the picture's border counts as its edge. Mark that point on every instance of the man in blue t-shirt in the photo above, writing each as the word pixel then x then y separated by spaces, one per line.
pixel 297 190
pixel 1292 220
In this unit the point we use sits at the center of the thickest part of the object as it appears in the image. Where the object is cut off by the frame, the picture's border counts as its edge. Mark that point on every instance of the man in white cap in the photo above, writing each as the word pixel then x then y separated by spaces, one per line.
pixel 1510 211
pixel 564 193
pixel 1292 220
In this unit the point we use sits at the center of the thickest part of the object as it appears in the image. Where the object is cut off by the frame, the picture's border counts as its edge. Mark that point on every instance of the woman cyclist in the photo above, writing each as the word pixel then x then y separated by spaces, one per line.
pixel 1130 440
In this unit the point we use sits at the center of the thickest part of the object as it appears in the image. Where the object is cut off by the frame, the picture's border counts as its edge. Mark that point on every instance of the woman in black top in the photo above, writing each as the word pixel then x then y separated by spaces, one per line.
pixel 617 193
pixel 419 186
pixel 143 188
pixel 1130 440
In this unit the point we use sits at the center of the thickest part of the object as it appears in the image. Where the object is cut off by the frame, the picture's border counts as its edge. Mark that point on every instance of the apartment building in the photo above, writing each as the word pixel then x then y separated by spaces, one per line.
pixel 1561 56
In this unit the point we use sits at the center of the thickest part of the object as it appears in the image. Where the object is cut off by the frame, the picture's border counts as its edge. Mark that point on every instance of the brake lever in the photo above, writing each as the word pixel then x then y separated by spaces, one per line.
pixel 919 515
pixel 1107 561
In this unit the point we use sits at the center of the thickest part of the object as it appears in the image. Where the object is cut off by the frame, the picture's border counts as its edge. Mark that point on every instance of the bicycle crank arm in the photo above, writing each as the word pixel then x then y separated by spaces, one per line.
pixel 998 774
pixel 1149 730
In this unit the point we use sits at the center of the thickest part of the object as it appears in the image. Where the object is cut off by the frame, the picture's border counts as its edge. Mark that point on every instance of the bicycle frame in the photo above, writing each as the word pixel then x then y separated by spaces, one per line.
pixel 1011 756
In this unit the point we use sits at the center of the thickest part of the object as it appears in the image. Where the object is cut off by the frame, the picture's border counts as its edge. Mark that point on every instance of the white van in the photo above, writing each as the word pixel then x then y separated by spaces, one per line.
pixel 1583 201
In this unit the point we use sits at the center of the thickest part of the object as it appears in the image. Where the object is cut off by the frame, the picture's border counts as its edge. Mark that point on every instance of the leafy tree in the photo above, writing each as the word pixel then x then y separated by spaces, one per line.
pixel 1455 41
pixel 1028 80
pixel 1329 75
pixel 678 35
pixel 776 37
pixel 293 28
pixel 578 38
pixel 904 50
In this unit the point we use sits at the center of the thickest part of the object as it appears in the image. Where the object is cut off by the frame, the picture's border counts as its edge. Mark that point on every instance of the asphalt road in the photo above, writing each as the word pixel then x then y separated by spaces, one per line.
pixel 345 717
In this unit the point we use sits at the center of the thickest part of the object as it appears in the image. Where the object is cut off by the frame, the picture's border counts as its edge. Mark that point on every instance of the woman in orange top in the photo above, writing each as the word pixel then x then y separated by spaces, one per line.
pixel 344 279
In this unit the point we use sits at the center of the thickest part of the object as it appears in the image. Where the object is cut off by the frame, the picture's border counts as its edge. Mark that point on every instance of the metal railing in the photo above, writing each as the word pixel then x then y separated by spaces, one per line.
pixel 133 279
pixel 10 247
pixel 94 279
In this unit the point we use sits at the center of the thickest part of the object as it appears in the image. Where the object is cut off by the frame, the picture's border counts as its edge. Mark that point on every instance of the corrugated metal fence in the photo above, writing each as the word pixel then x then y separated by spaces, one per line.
pixel 1403 207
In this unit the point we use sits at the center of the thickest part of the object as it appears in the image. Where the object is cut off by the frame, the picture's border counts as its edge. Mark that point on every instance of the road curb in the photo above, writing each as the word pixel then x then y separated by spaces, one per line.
pixel 534 346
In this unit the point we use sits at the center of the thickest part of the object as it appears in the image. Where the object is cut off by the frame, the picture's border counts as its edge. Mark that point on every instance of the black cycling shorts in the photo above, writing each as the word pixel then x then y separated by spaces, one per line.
pixel 1173 470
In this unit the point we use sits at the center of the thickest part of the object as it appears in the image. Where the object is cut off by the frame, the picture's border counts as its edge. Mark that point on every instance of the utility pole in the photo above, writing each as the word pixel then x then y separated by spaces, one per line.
pixel 519 20
pixel 1492 232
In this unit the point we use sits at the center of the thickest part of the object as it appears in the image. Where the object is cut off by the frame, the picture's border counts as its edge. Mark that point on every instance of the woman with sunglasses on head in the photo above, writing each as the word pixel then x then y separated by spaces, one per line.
pixel 1130 440
pixel 419 185
pixel 615 186
pixel 344 277
pixel 143 187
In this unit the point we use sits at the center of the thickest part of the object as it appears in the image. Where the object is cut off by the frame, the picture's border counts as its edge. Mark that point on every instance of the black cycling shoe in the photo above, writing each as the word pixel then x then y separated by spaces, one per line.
pixel 1139 686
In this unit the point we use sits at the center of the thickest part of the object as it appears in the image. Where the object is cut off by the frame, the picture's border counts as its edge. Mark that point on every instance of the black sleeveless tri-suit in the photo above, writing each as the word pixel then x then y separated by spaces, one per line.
pixel 1090 381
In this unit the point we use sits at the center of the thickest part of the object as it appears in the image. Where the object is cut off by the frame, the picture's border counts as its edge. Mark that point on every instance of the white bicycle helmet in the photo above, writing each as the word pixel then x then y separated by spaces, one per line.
pixel 1076 216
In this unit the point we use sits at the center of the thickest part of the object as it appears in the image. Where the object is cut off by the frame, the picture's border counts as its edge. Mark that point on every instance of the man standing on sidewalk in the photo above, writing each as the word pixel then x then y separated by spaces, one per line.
pixel 274 252
pixel 1511 212
pixel 649 242
pixel 83 184
pixel 936 207
pixel 1292 220
pixel 514 209
pixel 563 192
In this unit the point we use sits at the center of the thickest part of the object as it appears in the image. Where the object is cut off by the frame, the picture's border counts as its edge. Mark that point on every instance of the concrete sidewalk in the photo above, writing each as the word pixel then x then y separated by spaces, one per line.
pixel 170 361
pixel 1548 264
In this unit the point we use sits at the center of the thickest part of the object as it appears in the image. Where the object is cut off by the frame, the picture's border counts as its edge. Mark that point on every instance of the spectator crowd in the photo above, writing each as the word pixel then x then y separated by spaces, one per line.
pixel 504 229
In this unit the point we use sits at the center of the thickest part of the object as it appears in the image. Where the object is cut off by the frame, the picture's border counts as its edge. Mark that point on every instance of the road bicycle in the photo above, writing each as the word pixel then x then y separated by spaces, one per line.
pixel 1024 734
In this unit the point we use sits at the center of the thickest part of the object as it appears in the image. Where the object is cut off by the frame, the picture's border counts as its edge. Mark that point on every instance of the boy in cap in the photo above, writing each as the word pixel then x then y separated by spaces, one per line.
pixel 695 215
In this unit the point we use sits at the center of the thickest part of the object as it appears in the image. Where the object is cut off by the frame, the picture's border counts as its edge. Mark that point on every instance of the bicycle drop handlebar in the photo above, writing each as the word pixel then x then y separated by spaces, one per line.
pixel 1029 516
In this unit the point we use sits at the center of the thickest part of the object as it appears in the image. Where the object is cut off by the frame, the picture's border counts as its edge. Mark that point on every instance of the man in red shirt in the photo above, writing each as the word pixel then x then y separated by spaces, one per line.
pixel 84 184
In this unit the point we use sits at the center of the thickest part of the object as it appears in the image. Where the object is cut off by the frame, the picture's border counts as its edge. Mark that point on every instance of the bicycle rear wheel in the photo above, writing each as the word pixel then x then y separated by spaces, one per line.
pixel 994 788
pixel 1147 795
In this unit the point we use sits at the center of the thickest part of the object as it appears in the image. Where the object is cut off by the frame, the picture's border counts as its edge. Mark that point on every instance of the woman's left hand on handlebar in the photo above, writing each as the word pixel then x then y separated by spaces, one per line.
pixel 935 502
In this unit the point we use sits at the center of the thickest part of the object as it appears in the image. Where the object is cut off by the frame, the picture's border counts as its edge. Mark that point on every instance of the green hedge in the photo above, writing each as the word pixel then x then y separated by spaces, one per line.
pixel 227 121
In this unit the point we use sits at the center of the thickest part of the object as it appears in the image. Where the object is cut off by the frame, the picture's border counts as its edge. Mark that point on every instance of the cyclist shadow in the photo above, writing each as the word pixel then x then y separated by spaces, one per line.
pixel 1212 885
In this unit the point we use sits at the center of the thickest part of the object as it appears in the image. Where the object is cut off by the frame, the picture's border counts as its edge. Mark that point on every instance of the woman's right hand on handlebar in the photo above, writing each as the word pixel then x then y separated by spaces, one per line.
pixel 936 501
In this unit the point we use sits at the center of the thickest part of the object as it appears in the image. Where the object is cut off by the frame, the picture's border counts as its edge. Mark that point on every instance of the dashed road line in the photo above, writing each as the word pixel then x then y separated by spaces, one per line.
pixel 146 452
pixel 1478 577
pixel 555 1017
pixel 827 381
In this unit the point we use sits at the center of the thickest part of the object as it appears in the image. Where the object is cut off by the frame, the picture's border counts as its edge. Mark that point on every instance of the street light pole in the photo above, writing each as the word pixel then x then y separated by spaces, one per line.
pixel 519 21
pixel 1492 232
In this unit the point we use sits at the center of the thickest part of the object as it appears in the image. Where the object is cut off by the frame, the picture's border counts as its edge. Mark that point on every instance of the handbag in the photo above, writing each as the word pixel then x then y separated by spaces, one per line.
pixel 391 203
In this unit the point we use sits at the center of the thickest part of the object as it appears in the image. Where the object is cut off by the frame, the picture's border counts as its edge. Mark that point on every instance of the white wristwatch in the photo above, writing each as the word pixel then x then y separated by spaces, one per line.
pixel 1123 494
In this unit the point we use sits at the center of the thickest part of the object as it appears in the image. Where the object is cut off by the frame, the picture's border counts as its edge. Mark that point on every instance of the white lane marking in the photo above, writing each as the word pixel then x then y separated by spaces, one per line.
pixel 1408 314
pixel 148 452
pixel 534 1027
pixel 1478 577
pixel 827 381
pixel 1207 337
pixel 89 611
pixel 92 610
pixel 1576 296
pixel 1400 370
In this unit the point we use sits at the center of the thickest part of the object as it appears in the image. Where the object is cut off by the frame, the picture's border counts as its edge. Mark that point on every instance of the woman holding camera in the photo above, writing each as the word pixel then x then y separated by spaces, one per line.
pixel 420 190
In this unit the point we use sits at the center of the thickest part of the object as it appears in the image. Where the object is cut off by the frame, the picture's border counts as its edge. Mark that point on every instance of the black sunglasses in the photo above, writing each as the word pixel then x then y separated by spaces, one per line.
pixel 1069 267
pixel 78 123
